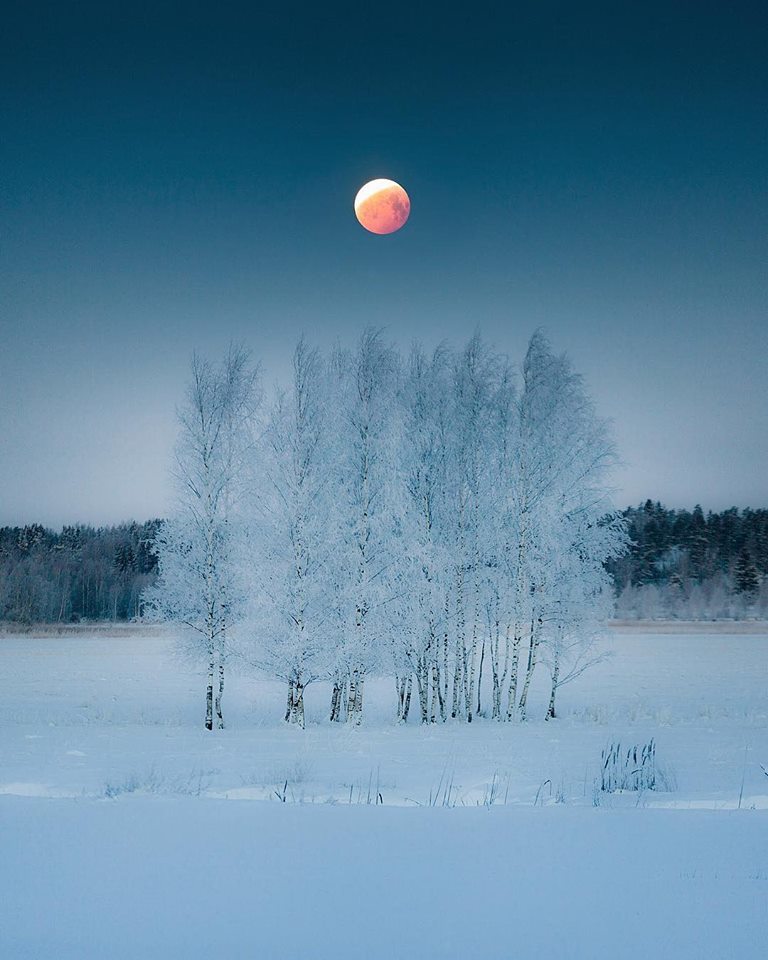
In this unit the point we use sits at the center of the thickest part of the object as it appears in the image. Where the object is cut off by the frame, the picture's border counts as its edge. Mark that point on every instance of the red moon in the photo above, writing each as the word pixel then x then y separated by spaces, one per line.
pixel 382 206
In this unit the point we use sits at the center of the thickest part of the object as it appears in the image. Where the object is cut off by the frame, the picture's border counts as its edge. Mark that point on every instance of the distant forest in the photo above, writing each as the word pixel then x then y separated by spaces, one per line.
pixel 682 564
pixel 691 565
pixel 81 573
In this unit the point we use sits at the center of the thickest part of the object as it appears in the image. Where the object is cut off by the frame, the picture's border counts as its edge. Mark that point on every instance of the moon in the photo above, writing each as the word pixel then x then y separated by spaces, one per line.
pixel 382 206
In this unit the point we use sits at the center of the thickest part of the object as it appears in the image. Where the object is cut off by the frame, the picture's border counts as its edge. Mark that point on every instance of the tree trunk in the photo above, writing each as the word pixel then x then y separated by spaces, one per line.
pixel 437 697
pixel 298 704
pixel 444 691
pixel 470 683
pixel 555 677
pixel 219 695
pixel 335 702
pixel 532 651
pixel 494 642
pixel 480 676
pixel 337 698
pixel 461 648
pixel 499 675
pixel 400 692
pixel 356 701
pixel 404 686
pixel 294 711
pixel 468 672
pixel 518 612
pixel 422 684
pixel 495 693
pixel 407 704
pixel 352 695
pixel 209 691
pixel 514 670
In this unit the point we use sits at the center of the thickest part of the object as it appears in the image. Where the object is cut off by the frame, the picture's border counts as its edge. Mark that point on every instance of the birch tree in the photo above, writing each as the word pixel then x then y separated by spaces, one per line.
pixel 199 585
pixel 291 545
pixel 422 462
pixel 364 393
pixel 566 454
pixel 502 536
pixel 474 377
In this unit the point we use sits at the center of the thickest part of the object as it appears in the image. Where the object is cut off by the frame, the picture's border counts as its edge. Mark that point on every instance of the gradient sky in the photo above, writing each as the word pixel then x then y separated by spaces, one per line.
pixel 173 177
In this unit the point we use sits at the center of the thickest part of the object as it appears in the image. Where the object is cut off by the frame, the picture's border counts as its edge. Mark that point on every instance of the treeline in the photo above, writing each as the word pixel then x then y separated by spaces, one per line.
pixel 680 563
pixel 81 573
pixel 691 565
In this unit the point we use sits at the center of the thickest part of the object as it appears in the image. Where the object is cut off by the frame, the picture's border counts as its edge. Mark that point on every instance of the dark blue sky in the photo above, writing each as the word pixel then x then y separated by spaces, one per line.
pixel 172 178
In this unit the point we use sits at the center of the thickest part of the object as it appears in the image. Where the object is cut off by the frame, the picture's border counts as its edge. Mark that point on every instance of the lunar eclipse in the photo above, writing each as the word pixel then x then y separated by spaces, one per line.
pixel 382 206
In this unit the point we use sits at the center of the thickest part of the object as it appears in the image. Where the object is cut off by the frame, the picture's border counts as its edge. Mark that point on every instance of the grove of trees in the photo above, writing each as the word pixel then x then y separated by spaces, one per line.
pixel 691 565
pixel 435 516
pixel 80 573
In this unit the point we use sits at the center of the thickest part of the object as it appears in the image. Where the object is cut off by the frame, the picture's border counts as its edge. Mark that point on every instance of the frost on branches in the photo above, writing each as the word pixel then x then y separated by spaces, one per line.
pixel 437 517
pixel 200 571
pixel 288 535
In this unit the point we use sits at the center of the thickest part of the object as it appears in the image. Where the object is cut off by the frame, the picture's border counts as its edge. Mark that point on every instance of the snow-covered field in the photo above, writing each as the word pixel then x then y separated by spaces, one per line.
pixel 120 836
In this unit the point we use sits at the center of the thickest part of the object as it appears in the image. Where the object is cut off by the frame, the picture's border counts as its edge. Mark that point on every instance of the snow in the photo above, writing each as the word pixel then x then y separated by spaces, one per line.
pixel 119 835
pixel 175 878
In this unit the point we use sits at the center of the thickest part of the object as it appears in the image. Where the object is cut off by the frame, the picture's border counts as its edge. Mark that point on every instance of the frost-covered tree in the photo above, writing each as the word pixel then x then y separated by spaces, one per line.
pixel 570 530
pixel 475 373
pixel 363 390
pixel 290 533
pixel 422 500
pixel 580 598
pixel 200 583
pixel 502 536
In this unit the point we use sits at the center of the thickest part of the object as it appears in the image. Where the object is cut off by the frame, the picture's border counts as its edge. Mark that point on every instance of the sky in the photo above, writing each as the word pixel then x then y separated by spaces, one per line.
pixel 177 177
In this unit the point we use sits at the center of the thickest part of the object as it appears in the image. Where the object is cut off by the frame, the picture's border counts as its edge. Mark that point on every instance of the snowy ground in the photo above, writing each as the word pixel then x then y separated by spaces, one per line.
pixel 119 836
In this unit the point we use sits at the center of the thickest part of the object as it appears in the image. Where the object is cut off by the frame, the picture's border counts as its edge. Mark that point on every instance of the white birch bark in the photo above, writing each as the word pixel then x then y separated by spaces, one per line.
pixel 555 677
